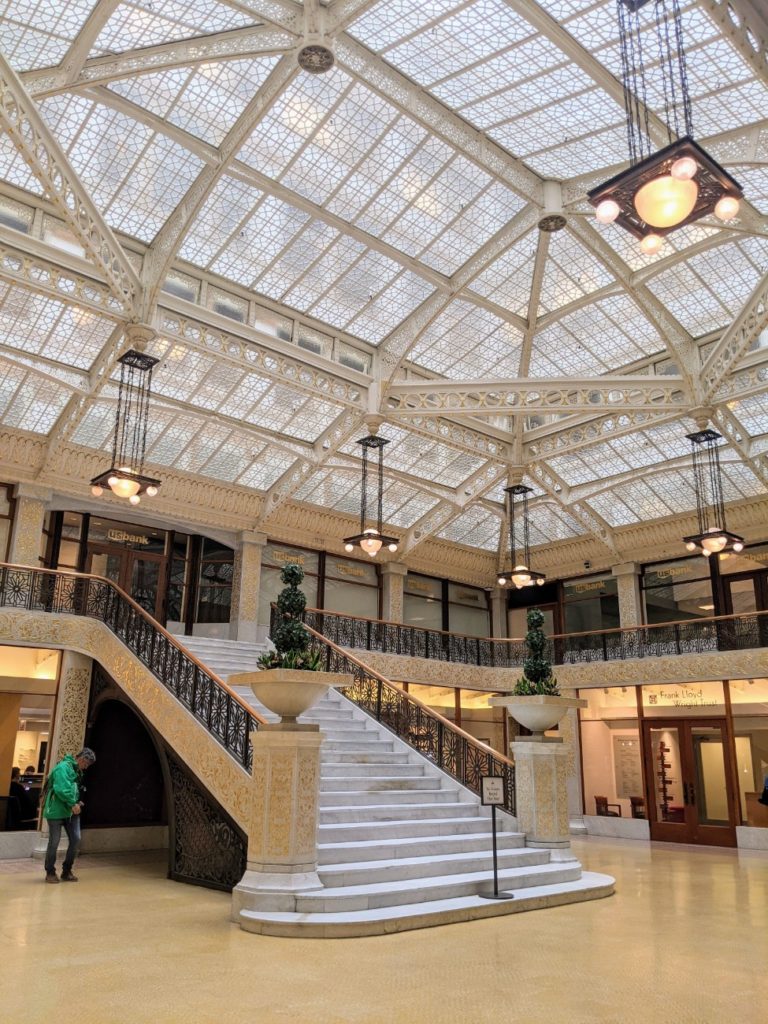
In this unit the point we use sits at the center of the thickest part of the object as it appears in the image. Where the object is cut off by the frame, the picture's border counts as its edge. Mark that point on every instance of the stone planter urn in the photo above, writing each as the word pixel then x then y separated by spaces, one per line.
pixel 537 712
pixel 289 692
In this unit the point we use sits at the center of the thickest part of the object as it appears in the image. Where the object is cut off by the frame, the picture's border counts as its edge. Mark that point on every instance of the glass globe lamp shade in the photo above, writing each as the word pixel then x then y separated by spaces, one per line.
pixel 607 211
pixel 651 244
pixel 501 580
pixel 713 543
pixel 349 547
pixel 134 499
pixel 371 543
pixel 684 168
pixel 539 583
pixel 97 491
pixel 521 576
pixel 727 207
pixel 690 546
pixel 666 201
pixel 738 546
pixel 124 488
pixel 392 548
pixel 151 491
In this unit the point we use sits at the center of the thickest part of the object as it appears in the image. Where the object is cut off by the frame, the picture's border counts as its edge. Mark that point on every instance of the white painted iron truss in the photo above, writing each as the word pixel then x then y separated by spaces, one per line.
pixel 308 250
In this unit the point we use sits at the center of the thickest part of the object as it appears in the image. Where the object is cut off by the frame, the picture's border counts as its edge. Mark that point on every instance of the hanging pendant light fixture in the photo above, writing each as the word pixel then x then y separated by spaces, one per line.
pixel 519 574
pixel 662 191
pixel 371 539
pixel 714 535
pixel 125 477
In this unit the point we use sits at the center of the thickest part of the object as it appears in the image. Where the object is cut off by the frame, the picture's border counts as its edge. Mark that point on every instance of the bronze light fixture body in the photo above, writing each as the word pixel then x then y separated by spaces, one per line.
pixel 664 190
pixel 713 536
pixel 125 477
pixel 371 539
pixel 519 574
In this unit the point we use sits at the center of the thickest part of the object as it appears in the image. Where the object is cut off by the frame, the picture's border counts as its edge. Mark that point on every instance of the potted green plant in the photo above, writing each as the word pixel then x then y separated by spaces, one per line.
pixel 536 702
pixel 291 678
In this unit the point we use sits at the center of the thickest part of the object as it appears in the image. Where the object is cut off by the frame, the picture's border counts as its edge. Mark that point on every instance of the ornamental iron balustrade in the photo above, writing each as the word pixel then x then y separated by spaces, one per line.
pixel 456 752
pixel 218 708
pixel 691 636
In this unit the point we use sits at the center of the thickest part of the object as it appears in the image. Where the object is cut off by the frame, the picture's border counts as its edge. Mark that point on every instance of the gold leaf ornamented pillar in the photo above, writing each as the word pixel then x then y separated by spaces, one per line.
pixel 28 520
pixel 246 582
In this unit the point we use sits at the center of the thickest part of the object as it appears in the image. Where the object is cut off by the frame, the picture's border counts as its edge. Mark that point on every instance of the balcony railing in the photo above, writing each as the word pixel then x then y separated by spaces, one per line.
pixel 690 636
pixel 461 755
pixel 218 708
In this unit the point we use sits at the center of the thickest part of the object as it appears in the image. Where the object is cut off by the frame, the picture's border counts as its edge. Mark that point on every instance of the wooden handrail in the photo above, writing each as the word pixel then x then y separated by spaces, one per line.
pixel 415 700
pixel 153 622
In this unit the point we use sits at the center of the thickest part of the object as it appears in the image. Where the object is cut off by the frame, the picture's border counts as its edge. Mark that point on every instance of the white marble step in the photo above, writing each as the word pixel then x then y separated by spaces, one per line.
pixel 372 757
pixel 356 770
pixel 396 812
pixel 357 746
pixel 373 799
pixel 422 846
pixel 383 829
pixel 373 873
pixel 375 783
pixel 347 924
pixel 421 890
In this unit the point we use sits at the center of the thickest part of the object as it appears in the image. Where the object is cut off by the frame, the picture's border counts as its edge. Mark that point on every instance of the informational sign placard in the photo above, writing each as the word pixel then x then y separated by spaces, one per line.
pixel 628 771
pixel 492 790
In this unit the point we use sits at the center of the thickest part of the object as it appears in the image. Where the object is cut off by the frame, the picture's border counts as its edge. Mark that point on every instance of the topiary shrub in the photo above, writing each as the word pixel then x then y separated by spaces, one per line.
pixel 537 668
pixel 290 637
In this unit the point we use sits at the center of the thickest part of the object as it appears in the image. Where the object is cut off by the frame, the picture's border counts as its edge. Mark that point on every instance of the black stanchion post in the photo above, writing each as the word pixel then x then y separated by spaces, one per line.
pixel 492 792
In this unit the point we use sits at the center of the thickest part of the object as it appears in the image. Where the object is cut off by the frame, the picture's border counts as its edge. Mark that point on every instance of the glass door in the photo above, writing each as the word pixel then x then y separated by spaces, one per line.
pixel 689 774
pixel 139 573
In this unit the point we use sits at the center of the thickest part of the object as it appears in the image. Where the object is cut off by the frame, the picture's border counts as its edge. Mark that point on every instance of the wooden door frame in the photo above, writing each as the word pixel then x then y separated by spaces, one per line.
pixel 690 831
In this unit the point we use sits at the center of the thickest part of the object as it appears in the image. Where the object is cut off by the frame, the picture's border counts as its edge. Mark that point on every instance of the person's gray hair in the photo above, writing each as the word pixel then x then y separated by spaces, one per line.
pixel 87 755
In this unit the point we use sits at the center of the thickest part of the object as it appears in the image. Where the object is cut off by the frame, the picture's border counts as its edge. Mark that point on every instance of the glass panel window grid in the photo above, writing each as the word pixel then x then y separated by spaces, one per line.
pixel 674 591
pixel 612 752
pixel 6 519
pixel 749 707
pixel 273 558
pixel 468 610
pixel 214 591
pixel 351 587
pixel 423 601
pixel 590 604
pixel 38 33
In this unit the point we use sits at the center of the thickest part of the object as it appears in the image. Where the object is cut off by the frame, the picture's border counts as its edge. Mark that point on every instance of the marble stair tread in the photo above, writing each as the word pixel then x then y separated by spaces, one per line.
pixel 364 757
pixel 426 846
pixel 350 923
pixel 393 812
pixel 375 783
pixel 375 798
pixel 355 770
pixel 412 828
pixel 420 890
pixel 441 865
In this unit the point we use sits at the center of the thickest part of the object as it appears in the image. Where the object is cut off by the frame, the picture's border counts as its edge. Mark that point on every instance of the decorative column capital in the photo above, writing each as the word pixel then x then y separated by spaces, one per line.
pixel 34 491
pixel 252 537
pixel 625 569
pixel 139 336
pixel 394 569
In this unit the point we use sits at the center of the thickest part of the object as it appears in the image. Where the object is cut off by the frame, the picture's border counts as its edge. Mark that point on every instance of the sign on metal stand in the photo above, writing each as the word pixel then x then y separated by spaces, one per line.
pixel 492 794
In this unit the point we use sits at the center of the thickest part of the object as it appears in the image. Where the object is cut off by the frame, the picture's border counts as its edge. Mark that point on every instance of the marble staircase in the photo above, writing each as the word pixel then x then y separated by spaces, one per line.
pixel 401 844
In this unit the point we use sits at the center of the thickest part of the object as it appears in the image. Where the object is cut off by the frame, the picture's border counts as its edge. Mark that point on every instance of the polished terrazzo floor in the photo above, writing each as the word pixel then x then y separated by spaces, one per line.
pixel 683 941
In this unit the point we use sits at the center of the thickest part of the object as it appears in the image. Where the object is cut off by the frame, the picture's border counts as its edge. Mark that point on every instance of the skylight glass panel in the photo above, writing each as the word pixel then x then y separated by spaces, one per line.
pixel 403 505
pixel 96 428
pixel 549 523
pixel 36 403
pixel 752 413
pixel 697 308
pixel 11 379
pixel 205 101
pixel 754 181
pixel 13 168
pixel 146 23
pixel 35 324
pixel 38 33
pixel 259 240
pixel 269 465
pixel 740 482
pixel 429 460
pixel 476 528
pixel 293 413
pixel 507 281
pixel 229 205
pixel 610 508
pixel 333 488
pixel 135 175
pixel 387 22
pixel 571 272
pixel 468 342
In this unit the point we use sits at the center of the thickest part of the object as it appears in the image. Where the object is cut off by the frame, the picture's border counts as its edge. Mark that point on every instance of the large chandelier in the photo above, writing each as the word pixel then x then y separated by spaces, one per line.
pixel 660 192
pixel 520 574
pixel 714 535
pixel 371 539
pixel 125 477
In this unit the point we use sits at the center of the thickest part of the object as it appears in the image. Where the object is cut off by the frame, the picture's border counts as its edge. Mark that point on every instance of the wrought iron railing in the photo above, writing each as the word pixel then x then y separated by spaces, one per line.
pixel 227 718
pixel 461 755
pixel 690 636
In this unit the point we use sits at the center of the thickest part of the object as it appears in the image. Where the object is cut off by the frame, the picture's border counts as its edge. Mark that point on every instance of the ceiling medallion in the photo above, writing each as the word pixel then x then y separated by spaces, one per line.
pixel 316 59
pixel 125 477
pixel 662 191
pixel 552 222
pixel 714 535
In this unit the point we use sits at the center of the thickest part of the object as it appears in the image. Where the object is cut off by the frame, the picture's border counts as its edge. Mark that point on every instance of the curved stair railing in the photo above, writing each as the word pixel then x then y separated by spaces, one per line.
pixel 745 631
pixel 458 753
pixel 218 708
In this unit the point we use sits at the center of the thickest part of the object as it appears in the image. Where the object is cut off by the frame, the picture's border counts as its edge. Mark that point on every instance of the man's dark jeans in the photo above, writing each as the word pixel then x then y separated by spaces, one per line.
pixel 72 827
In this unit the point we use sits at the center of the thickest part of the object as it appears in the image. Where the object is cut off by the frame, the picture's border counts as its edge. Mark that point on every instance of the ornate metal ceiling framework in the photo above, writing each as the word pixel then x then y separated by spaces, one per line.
pixel 524 418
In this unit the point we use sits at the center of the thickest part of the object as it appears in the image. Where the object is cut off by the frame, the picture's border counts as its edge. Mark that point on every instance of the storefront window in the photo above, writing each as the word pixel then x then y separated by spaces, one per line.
pixel 749 707
pixel 351 587
pixel 6 518
pixel 214 595
pixel 679 590
pixel 611 751
pixel 178 581
pixel 591 604
pixel 423 601
pixel 69 545
pixel 274 557
pixel 751 559
pixel 468 611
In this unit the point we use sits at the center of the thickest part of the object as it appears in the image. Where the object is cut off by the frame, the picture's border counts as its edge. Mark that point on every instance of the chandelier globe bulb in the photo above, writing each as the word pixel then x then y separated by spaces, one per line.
pixel 349 547
pixel 651 244
pixel 666 201
pixel 738 546
pixel 134 499
pixel 124 488
pixel 714 541
pixel 97 491
pixel 607 211
pixel 726 208
pixel 151 491
pixel 690 546
pixel 684 169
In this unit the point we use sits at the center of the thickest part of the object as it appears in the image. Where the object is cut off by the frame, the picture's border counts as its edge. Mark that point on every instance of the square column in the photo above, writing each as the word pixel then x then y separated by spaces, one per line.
pixel 282 829
pixel 246 581
pixel 541 771
pixel 392 582
pixel 28 521
pixel 499 612
pixel 628 585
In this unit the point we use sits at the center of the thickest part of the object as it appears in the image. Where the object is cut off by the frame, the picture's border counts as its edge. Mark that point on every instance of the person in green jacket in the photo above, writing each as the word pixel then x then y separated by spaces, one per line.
pixel 62 810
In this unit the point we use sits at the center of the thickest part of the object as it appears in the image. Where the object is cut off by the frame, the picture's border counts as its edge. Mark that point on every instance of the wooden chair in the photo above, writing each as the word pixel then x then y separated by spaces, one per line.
pixel 603 808
pixel 637 805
